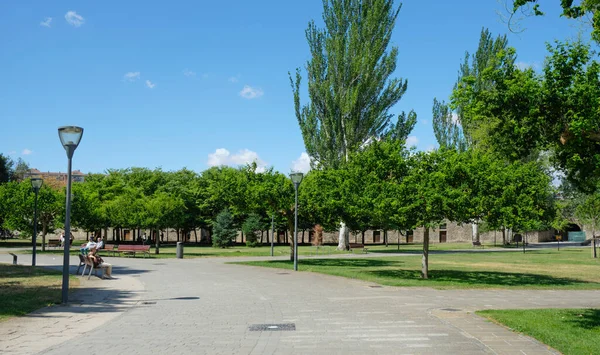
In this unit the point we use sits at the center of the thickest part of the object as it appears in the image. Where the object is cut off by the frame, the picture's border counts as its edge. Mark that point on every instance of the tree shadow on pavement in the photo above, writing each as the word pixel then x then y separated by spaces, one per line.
pixel 480 278
pixel 366 262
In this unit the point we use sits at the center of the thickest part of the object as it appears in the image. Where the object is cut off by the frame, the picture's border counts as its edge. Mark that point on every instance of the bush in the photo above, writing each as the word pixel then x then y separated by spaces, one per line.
pixel 224 232
pixel 251 228
pixel 318 236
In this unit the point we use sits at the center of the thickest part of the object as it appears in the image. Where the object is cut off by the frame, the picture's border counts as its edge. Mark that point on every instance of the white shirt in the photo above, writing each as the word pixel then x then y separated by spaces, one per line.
pixel 90 245
pixel 100 244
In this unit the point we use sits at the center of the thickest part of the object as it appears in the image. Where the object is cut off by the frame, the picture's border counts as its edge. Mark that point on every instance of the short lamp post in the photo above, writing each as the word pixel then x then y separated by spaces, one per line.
pixel 70 136
pixel 296 179
pixel 36 184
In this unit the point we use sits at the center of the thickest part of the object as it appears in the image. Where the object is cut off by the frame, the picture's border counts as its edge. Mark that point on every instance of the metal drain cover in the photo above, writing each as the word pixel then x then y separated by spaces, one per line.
pixel 148 302
pixel 376 286
pixel 451 309
pixel 283 273
pixel 272 327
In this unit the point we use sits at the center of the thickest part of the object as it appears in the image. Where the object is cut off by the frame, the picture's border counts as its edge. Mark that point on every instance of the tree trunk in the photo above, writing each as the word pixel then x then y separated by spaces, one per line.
pixel 503 236
pixel 425 261
pixel 362 234
pixel 303 236
pixel 593 243
pixel 157 245
pixel 385 238
pixel 44 237
pixel 262 234
pixel 195 236
pixel 344 237
pixel 475 236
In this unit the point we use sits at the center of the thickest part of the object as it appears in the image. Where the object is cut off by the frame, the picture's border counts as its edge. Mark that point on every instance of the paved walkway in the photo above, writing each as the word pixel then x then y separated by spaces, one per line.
pixel 204 306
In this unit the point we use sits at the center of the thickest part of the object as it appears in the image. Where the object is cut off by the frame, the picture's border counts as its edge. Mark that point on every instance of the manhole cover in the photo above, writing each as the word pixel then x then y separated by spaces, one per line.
pixel 159 264
pixel 148 302
pixel 283 273
pixel 186 298
pixel 272 327
pixel 375 286
pixel 451 309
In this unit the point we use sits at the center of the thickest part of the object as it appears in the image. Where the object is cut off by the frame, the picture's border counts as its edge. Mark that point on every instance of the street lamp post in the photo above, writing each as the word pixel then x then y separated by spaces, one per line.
pixel 70 136
pixel 296 179
pixel 36 184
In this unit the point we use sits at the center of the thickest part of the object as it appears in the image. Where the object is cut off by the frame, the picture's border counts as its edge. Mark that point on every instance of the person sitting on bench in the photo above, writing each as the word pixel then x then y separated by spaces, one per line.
pixel 99 262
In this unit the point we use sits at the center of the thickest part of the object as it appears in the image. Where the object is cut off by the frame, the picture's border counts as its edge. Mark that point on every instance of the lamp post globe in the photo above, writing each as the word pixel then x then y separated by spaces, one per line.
pixel 36 184
pixel 70 136
pixel 296 178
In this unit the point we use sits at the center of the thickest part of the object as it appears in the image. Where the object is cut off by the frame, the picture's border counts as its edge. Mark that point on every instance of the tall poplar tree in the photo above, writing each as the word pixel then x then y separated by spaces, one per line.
pixel 350 87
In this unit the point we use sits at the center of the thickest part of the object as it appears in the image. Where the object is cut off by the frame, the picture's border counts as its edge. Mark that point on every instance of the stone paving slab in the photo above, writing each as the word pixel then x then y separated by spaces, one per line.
pixel 203 306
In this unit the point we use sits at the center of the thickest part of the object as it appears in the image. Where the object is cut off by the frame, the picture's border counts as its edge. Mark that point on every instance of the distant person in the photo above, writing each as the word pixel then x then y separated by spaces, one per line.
pixel 62 239
pixel 144 239
pixel 162 236
pixel 99 243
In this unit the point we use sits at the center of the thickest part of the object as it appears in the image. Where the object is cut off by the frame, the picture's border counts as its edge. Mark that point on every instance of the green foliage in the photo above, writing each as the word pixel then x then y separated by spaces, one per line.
pixel 251 228
pixel 588 211
pixel 224 232
pixel 518 113
pixel 583 8
pixel 349 80
pixel 6 168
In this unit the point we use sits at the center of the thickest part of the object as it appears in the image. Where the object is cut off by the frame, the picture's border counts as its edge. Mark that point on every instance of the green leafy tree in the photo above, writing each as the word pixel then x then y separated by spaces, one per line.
pixel 350 84
pixel 586 9
pixel 251 228
pixel 588 212
pixel 6 168
pixel 224 231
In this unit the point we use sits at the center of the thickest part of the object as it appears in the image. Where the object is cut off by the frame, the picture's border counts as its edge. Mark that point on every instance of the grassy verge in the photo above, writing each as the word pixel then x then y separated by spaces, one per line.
pixel 570 331
pixel 191 251
pixel 24 289
pixel 540 269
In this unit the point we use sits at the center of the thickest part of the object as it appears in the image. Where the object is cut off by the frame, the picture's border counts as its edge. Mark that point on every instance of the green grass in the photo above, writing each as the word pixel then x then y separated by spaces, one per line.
pixel 193 251
pixel 570 331
pixel 540 269
pixel 24 289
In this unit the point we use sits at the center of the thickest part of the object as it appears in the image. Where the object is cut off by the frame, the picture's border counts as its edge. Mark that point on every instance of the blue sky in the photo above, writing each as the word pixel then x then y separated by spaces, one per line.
pixel 196 83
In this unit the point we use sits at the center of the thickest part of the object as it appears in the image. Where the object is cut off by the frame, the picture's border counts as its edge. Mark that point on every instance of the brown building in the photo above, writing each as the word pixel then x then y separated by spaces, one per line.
pixel 57 178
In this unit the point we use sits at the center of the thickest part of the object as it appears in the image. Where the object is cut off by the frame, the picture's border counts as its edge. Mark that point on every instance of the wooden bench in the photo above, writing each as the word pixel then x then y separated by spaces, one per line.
pixel 109 249
pixel 85 262
pixel 133 249
pixel 358 246
pixel 53 243
pixel 477 244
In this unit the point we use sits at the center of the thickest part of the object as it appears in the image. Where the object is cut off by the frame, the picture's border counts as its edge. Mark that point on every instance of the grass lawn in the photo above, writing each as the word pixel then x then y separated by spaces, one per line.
pixel 24 289
pixel 192 251
pixel 539 269
pixel 570 331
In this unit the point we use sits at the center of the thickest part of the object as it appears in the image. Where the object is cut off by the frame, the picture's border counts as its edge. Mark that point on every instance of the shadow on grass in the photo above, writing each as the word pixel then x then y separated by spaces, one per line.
pixel 490 278
pixel 456 251
pixel 588 319
pixel 366 262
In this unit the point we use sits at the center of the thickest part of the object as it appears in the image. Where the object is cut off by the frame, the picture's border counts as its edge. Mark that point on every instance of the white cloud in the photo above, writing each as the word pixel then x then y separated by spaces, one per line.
pixel 188 72
pixel 234 79
pixel 412 141
pixel 248 92
pixel 12 152
pixel 222 156
pixel 302 164
pixel 132 76
pixel 74 19
pixel 150 85
pixel 26 151
pixel 46 22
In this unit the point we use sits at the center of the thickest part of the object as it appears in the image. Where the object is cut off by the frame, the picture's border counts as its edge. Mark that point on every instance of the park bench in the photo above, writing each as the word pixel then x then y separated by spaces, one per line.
pixel 477 244
pixel 109 249
pixel 133 249
pixel 358 246
pixel 85 262
pixel 53 243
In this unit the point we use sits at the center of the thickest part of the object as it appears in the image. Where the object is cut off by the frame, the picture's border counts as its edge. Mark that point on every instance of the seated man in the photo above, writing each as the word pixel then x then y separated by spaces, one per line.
pixel 100 263
pixel 99 243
